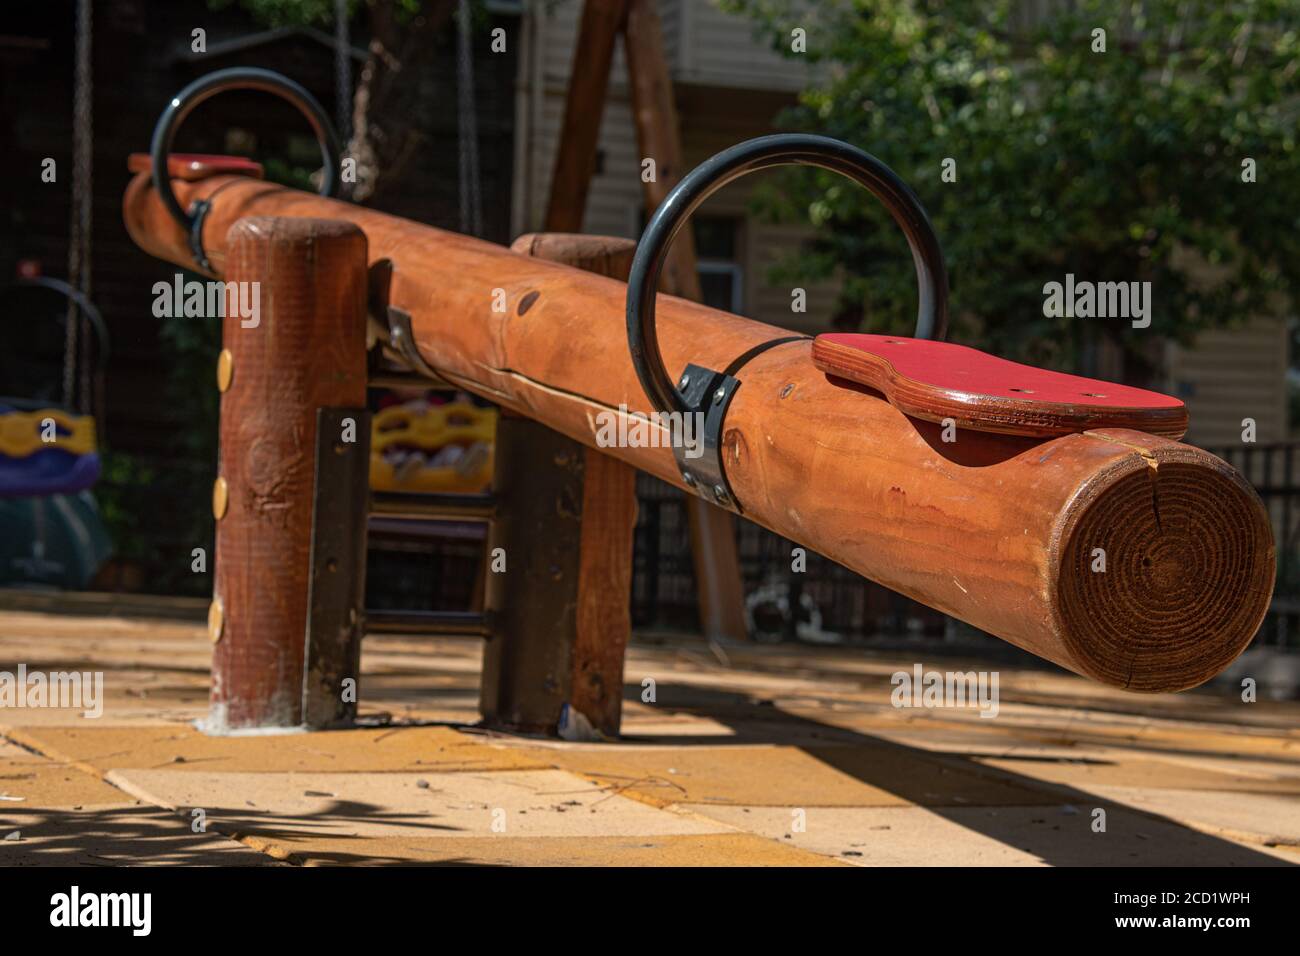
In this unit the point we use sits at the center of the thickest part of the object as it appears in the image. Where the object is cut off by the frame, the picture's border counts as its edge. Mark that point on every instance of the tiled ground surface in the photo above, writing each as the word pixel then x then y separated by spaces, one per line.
pixel 748 756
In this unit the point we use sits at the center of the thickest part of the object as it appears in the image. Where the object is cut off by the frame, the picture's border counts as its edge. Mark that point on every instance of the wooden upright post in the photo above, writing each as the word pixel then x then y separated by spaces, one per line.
pixel 574 510
pixel 713 531
pixel 575 160
pixel 532 581
pixel 300 348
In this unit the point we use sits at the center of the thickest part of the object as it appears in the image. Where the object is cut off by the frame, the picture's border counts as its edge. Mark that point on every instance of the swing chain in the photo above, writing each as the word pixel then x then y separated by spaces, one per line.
pixel 471 204
pixel 76 330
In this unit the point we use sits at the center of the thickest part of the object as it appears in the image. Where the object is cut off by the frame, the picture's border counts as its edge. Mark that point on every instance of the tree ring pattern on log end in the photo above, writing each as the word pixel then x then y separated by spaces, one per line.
pixel 1189 570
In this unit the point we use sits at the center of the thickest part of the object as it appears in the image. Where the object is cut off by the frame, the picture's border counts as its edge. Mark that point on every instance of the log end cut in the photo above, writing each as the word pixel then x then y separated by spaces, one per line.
pixel 1189 561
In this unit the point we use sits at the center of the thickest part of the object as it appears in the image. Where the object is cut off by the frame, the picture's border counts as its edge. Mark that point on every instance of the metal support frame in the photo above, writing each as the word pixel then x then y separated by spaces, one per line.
pixel 337 581
pixel 342 509
pixel 431 623
pixel 402 339
pixel 708 394
pixel 538 482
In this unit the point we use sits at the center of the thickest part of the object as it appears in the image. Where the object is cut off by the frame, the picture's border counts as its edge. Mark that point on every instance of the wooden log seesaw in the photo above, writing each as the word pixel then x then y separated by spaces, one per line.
pixel 983 488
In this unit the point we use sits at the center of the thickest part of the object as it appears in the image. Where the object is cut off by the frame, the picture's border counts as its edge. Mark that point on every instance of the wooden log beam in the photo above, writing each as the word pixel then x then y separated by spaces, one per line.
pixel 999 531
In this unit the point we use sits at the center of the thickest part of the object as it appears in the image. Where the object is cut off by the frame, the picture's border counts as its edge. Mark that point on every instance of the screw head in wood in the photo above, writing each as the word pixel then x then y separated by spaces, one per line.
pixel 220 498
pixel 225 370
pixel 216 619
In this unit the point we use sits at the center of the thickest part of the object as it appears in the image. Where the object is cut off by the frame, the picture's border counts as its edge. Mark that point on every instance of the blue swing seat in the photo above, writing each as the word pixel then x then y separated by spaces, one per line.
pixel 37 461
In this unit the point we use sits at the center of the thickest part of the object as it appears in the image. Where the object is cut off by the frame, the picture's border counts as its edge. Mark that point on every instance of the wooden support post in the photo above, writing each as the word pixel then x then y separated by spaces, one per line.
pixel 531 671
pixel 604 589
pixel 337 584
pixel 301 349
pixel 713 531
pixel 532 580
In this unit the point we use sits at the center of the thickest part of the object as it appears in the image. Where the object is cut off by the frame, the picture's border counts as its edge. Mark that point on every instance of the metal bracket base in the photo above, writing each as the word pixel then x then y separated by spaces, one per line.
pixel 337 584
pixel 199 212
pixel 708 394
pixel 402 338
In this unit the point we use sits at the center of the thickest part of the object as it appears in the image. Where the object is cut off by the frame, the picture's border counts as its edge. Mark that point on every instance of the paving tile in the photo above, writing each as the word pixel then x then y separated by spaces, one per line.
pixel 529 803
pixel 1073 728
pixel 708 774
pixel 12 752
pixel 1088 773
pixel 1164 737
pixel 872 775
pixel 119 835
pixel 181 747
pixel 993 836
pixel 873 836
pixel 1266 818
pixel 27 784
pixel 709 849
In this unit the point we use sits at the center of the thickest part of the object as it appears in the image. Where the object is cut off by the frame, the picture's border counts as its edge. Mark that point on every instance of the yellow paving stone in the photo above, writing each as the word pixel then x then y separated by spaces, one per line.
pixel 528 803
pixel 710 849
pixel 1194 739
pixel 994 836
pixel 1263 818
pixel 875 775
pixel 1125 770
pixel 740 736
pixel 1079 729
pixel 11 751
pixel 873 836
pixel 182 747
pixel 117 835
pixel 28 784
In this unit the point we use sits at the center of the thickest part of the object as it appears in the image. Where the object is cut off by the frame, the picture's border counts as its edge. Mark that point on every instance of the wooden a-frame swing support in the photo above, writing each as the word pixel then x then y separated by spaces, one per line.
pixel 654 111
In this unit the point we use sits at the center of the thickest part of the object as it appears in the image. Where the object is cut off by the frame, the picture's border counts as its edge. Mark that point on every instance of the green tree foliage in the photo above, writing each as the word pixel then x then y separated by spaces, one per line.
pixel 307 13
pixel 1123 165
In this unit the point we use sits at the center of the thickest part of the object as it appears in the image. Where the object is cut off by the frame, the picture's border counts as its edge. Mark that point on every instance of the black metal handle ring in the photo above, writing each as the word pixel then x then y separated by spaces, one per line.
pixel 206 87
pixel 747 157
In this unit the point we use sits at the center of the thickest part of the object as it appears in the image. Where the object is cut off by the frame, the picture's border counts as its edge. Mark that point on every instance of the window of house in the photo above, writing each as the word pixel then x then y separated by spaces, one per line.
pixel 717 259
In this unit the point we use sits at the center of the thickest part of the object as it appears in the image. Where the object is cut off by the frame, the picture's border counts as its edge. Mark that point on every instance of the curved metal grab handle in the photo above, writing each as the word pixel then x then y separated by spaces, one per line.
pixel 785 149
pixel 237 78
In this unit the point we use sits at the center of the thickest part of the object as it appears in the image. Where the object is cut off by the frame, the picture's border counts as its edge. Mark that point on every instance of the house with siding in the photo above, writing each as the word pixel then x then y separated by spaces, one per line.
pixel 730 86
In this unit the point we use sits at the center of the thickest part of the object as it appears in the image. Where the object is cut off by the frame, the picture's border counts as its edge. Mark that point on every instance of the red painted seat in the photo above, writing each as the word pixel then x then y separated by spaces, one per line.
pixel 195 166
pixel 940 380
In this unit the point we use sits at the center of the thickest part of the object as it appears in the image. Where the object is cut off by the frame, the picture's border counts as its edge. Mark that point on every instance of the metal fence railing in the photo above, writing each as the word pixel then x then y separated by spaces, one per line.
pixel 827 598
pixel 1274 471
pixel 664 589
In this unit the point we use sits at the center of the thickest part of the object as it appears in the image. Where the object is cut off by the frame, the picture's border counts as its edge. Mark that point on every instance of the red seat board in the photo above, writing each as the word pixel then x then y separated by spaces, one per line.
pixel 938 380
pixel 194 166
